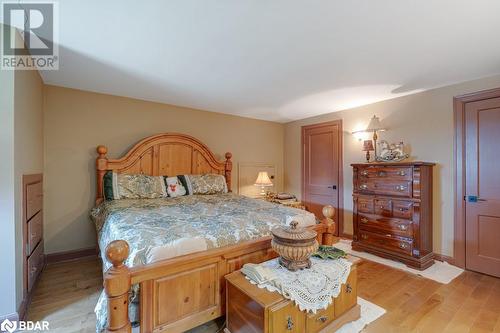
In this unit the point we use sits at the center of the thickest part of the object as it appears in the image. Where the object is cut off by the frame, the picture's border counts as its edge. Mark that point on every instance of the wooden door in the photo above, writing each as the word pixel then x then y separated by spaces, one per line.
pixel 482 186
pixel 322 168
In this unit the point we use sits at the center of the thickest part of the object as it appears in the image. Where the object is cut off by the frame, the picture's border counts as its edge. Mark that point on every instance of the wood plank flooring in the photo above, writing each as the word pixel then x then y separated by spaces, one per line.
pixel 67 292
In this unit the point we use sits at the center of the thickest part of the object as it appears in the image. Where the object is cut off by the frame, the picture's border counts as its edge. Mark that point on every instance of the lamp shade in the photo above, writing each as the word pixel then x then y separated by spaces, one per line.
pixel 368 145
pixel 263 179
pixel 375 125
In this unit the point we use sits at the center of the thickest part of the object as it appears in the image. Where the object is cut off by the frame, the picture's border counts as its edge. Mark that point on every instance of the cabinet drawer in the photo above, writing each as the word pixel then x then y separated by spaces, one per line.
pixel 384 172
pixel 365 205
pixel 33 199
pixel 391 243
pixel 386 187
pixel 35 265
pixel 286 317
pixel 34 232
pixel 383 207
pixel 348 296
pixel 318 321
pixel 402 209
pixel 403 228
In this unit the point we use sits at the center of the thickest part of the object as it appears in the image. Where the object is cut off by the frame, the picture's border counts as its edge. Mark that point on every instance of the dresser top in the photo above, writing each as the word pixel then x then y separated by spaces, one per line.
pixel 411 163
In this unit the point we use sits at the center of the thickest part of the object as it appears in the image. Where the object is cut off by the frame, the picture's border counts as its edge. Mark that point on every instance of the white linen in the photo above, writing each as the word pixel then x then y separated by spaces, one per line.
pixel 177 248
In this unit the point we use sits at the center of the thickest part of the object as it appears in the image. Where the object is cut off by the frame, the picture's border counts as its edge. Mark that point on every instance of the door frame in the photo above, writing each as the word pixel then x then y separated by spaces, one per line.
pixel 339 214
pixel 459 161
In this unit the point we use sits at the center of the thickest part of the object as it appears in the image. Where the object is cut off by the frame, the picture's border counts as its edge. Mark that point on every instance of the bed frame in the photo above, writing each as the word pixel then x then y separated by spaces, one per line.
pixel 186 291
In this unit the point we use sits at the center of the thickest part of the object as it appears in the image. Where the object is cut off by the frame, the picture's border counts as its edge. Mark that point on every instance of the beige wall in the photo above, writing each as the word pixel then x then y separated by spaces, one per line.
pixel 424 121
pixel 77 121
pixel 28 151
pixel 7 202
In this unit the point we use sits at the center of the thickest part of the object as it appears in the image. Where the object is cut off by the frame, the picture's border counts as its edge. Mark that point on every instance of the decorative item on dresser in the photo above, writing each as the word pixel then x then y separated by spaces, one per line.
pixel 368 147
pixel 393 211
pixel 32 218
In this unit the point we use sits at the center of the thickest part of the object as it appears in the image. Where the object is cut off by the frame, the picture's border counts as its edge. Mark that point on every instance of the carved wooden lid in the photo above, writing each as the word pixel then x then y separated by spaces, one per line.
pixel 293 234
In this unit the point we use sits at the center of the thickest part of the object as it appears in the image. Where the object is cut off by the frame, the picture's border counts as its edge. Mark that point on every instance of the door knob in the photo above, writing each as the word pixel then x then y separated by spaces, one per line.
pixel 333 187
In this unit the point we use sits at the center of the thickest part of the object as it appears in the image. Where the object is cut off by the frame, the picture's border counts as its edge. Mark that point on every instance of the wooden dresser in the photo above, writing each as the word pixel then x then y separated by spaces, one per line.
pixel 251 309
pixel 392 211
pixel 32 229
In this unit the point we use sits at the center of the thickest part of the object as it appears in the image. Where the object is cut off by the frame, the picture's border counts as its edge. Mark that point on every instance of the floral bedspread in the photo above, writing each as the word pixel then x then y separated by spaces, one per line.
pixel 220 219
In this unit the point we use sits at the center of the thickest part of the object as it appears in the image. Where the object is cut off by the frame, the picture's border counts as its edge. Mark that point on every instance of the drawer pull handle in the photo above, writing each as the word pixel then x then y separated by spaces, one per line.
pixel 289 323
pixel 404 246
pixel 364 236
pixel 348 288
pixel 364 220
pixel 363 187
pixel 401 173
pixel 403 227
pixel 402 209
pixel 364 173
pixel 400 187
pixel 322 319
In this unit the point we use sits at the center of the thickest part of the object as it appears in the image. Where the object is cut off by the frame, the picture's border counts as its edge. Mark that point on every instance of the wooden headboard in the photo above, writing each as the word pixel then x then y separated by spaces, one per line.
pixel 161 155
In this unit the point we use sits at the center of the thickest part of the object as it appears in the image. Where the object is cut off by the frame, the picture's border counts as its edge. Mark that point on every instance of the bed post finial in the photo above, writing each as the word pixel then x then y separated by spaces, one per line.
pixel 228 168
pixel 117 285
pixel 101 167
pixel 328 212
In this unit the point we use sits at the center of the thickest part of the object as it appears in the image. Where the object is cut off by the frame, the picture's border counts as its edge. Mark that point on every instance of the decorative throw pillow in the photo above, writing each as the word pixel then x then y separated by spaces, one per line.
pixel 120 186
pixel 208 184
pixel 175 187
pixel 184 179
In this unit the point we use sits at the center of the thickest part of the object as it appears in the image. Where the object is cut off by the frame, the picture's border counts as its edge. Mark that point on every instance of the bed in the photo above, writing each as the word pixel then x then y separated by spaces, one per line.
pixel 178 250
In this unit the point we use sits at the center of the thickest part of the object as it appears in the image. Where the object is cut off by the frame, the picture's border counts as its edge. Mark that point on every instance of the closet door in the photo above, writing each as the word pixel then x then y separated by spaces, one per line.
pixel 321 167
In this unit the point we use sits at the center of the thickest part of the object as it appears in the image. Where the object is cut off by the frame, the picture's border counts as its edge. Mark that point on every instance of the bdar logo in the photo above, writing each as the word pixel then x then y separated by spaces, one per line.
pixel 8 326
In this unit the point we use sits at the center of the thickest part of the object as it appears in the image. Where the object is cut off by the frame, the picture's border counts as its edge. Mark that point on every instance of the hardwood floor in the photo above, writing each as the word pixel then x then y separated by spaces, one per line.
pixel 67 292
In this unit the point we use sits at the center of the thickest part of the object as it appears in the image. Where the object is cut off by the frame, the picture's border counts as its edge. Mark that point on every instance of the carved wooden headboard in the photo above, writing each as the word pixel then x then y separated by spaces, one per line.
pixel 163 154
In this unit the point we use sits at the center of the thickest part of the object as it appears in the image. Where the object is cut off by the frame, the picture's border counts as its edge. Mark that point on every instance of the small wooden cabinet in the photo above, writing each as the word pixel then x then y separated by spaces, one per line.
pixel 250 309
pixel 34 258
pixel 392 211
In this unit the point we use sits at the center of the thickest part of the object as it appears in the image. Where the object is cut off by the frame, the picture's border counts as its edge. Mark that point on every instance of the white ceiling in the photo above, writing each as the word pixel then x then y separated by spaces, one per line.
pixel 274 60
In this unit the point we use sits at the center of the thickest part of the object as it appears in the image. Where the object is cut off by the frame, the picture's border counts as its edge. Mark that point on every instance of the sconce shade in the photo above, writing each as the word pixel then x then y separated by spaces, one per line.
pixel 263 179
pixel 368 145
pixel 375 125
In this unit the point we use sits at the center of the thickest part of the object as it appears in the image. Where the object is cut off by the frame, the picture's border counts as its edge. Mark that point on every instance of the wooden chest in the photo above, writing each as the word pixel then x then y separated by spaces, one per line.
pixel 392 211
pixel 250 309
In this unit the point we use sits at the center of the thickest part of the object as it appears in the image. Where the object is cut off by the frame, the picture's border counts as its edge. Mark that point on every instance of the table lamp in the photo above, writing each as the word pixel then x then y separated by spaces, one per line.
pixel 374 126
pixel 263 181
pixel 368 147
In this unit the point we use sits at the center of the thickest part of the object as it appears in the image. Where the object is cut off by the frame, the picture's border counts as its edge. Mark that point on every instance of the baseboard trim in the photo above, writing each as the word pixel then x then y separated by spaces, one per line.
pixel 11 316
pixel 71 255
pixel 444 258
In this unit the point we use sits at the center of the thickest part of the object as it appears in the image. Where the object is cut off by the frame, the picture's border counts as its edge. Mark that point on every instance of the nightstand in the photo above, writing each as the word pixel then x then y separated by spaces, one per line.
pixel 294 203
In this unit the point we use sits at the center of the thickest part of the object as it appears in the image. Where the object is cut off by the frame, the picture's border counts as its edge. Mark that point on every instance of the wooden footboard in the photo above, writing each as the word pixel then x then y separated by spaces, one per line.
pixel 183 292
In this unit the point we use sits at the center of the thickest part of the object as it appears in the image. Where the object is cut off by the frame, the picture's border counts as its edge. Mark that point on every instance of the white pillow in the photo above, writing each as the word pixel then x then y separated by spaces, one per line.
pixel 175 187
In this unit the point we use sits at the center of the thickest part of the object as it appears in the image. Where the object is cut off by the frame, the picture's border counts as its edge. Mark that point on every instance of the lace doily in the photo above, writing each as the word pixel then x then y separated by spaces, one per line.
pixel 311 289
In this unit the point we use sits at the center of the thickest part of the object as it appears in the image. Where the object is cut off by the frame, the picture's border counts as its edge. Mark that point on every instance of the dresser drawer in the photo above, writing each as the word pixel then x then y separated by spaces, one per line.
pixel 286 317
pixel 348 295
pixel 402 209
pixel 34 231
pixel 33 199
pixel 318 321
pixel 385 172
pixel 365 205
pixel 395 244
pixel 35 265
pixel 383 207
pixel 386 187
pixel 385 225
